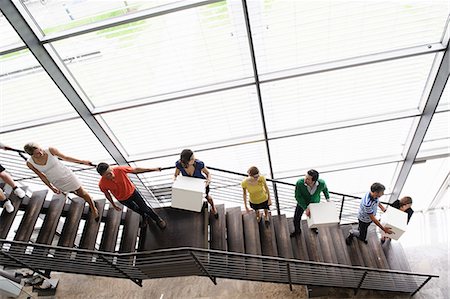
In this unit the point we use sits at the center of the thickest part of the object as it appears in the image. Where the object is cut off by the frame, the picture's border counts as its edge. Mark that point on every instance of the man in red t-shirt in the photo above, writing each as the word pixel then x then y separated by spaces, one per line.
pixel 115 180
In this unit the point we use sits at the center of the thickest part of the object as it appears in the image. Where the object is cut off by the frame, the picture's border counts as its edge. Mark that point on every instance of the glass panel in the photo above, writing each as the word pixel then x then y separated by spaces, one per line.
pixel 179 51
pixel 9 38
pixel 437 138
pixel 444 101
pixel 301 103
pixel 356 181
pixel 71 14
pixel 424 181
pixel 72 138
pixel 289 34
pixel 342 148
pixel 206 121
pixel 27 92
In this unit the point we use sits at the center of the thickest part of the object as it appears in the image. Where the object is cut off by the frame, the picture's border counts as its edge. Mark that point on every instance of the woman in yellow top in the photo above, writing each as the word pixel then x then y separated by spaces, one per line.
pixel 256 187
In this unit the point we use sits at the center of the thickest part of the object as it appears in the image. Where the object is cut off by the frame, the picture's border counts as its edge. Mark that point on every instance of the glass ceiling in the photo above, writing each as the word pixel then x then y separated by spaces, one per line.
pixel 155 77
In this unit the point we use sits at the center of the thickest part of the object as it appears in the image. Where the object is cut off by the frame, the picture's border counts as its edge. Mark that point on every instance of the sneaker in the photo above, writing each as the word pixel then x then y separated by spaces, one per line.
pixel 162 224
pixel 8 206
pixel 349 239
pixel 315 230
pixel 19 192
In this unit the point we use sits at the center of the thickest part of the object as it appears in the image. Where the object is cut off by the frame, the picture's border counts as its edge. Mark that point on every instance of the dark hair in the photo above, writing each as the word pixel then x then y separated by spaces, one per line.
pixel 405 201
pixel 102 167
pixel 253 171
pixel 314 174
pixel 185 157
pixel 377 187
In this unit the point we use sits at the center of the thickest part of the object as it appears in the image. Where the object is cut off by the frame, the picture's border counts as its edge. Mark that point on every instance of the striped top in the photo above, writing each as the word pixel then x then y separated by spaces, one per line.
pixel 368 206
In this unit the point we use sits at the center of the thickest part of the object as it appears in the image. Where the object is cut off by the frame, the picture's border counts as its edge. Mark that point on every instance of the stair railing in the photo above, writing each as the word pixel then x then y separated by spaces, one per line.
pixel 214 264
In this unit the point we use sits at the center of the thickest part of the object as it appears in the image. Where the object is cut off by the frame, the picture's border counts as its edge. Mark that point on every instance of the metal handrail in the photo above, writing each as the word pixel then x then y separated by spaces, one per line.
pixel 188 261
pixel 225 186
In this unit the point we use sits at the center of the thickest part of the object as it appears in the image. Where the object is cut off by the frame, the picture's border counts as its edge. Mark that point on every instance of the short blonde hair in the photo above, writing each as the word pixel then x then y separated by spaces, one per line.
pixel 30 147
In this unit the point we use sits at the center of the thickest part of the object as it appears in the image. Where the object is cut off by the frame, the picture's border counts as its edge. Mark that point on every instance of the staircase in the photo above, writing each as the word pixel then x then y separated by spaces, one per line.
pixel 233 246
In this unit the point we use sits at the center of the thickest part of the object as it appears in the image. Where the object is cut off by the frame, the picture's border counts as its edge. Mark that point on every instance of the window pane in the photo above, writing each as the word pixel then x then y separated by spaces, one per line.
pixel 179 51
pixel 437 138
pixel 289 34
pixel 355 181
pixel 9 38
pixel 301 103
pixel 67 15
pixel 27 92
pixel 72 138
pixel 206 121
pixel 343 148
pixel 424 181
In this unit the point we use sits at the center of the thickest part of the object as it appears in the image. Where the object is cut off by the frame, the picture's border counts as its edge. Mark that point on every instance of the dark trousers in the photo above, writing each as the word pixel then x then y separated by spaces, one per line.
pixel 361 233
pixel 297 217
pixel 137 204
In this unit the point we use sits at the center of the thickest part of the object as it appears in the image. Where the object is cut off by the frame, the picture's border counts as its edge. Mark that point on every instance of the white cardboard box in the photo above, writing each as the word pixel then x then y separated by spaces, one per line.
pixel 187 193
pixel 322 214
pixel 396 220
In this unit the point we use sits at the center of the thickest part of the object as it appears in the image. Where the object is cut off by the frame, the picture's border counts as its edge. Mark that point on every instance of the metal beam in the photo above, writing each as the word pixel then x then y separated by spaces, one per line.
pixel 423 124
pixel 258 91
pixel 440 194
pixel 49 64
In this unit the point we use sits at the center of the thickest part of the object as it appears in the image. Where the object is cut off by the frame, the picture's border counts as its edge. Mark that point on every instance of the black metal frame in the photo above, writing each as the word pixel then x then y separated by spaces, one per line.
pixel 187 261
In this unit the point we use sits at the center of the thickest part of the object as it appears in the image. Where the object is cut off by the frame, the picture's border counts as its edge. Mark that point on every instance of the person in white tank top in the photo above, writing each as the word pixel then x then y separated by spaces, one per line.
pixel 56 175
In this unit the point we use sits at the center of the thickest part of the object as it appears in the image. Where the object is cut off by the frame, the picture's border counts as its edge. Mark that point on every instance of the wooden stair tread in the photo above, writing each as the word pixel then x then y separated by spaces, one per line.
pixel 235 236
pixel 91 227
pixel 218 229
pixel 51 220
pixel 111 229
pixel 184 228
pixel 70 228
pixel 30 216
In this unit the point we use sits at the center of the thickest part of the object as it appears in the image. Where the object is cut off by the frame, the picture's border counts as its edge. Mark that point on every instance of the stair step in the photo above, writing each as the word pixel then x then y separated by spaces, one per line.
pixel 130 231
pixel 312 243
pixel 252 240
pixel 267 237
pixel 91 227
pixel 299 246
pixel 283 239
pixel 184 228
pixel 71 223
pixel 30 217
pixel 218 229
pixel 235 236
pixel 51 220
pixel 7 219
pixel 111 230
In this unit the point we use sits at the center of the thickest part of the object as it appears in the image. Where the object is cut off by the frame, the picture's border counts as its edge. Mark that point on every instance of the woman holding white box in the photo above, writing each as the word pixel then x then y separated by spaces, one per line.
pixel 189 166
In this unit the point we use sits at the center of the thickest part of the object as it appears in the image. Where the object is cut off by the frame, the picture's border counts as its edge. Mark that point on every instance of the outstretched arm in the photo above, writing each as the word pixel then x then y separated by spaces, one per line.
pixel 56 152
pixel 141 169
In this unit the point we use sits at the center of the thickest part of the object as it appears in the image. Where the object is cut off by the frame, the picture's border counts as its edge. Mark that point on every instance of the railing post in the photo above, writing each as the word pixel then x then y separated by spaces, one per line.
pixel 361 282
pixel 288 266
pixel 342 207
pixel 135 280
pixel 275 195
pixel 418 289
pixel 200 265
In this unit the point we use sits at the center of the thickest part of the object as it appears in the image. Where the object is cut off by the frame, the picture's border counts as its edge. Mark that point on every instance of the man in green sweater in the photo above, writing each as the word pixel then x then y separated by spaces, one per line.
pixel 308 191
